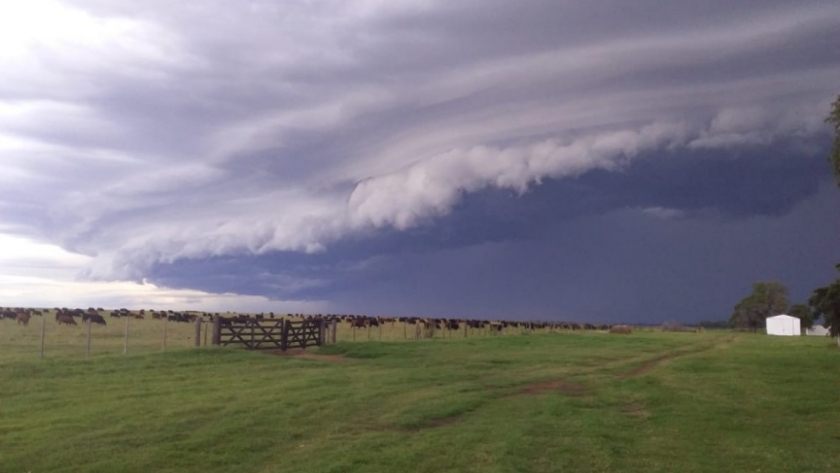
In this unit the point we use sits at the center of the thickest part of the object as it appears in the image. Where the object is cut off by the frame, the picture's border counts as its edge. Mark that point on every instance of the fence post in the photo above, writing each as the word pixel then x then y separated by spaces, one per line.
pixel 125 342
pixel 205 334
pixel 43 332
pixel 217 330
pixel 198 321
pixel 322 333
pixel 164 331
pixel 465 329
pixel 335 331
pixel 284 337
pixel 87 344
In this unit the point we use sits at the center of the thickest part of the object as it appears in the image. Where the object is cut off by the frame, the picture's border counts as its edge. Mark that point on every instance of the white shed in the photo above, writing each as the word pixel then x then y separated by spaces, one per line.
pixel 783 325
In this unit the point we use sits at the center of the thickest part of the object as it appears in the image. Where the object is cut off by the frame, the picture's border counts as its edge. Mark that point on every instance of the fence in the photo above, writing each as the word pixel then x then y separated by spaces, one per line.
pixel 44 336
pixel 132 333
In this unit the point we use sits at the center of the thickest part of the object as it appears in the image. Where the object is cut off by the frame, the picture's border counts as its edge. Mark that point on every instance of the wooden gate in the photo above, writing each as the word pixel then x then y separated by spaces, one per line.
pixel 263 334
pixel 303 334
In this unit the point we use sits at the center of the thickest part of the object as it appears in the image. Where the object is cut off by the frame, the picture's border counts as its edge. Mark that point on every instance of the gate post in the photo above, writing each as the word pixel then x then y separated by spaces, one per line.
pixel 217 330
pixel 284 337
pixel 322 332
pixel 198 321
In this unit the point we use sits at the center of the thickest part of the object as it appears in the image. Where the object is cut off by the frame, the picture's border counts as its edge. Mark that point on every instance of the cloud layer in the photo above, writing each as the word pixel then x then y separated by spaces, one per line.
pixel 140 134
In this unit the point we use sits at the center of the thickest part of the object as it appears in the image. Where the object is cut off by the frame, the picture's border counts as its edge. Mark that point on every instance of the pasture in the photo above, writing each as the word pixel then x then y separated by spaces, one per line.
pixel 583 402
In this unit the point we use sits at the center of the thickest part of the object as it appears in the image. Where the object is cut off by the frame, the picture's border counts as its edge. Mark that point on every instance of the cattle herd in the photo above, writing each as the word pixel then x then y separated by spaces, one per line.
pixel 365 321
pixel 362 321
pixel 65 316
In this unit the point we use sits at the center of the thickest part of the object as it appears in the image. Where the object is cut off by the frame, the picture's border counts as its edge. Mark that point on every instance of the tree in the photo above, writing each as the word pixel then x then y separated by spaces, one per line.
pixel 834 120
pixel 825 303
pixel 768 298
pixel 804 314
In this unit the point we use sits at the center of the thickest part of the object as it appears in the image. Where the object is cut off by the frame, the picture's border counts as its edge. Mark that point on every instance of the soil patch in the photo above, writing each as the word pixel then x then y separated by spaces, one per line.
pixel 636 410
pixel 558 386
pixel 304 355
pixel 435 424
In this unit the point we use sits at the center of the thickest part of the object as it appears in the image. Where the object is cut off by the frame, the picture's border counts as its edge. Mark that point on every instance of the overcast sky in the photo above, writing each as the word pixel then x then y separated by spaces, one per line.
pixel 603 161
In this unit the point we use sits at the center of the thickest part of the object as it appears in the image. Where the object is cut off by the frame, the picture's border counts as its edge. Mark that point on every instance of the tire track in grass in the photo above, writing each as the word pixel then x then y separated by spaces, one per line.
pixel 652 363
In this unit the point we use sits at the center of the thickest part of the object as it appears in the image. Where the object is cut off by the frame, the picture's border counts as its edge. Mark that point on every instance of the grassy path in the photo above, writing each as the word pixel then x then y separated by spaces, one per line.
pixel 559 402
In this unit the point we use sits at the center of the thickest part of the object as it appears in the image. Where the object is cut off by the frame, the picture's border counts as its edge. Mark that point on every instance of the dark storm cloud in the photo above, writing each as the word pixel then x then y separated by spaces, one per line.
pixel 617 266
pixel 151 134
pixel 718 189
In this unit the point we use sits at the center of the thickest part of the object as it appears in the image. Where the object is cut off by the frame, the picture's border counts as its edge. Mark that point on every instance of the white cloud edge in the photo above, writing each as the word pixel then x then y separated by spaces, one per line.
pixel 34 274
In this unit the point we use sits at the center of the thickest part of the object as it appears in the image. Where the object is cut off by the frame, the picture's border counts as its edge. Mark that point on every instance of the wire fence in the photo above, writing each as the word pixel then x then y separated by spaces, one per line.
pixel 51 334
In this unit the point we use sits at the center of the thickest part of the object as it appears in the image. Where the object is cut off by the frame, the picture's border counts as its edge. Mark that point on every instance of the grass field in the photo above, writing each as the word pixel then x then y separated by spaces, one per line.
pixel 714 401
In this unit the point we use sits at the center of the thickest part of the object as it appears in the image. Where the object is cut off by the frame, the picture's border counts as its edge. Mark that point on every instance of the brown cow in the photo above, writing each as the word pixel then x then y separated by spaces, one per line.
pixel 624 329
pixel 23 318
pixel 66 319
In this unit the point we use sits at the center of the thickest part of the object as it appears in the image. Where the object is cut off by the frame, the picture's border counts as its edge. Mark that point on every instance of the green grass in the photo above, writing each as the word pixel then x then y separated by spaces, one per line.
pixel 713 402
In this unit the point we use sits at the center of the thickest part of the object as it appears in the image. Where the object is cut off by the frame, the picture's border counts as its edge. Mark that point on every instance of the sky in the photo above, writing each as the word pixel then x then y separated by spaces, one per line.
pixel 602 161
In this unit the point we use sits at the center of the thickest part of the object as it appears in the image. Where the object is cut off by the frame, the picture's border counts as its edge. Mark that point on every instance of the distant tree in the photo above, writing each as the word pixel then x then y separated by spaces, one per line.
pixel 804 314
pixel 768 298
pixel 834 120
pixel 825 303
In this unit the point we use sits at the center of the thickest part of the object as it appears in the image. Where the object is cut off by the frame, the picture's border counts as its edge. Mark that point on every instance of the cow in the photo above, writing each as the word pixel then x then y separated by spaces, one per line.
pixel 622 329
pixel 23 318
pixel 178 317
pixel 94 318
pixel 65 320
